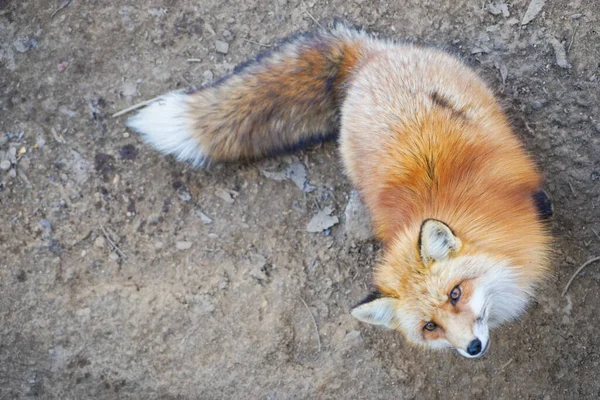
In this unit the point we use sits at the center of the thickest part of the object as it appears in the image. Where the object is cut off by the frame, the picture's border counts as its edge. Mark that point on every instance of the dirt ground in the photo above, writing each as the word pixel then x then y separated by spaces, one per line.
pixel 216 281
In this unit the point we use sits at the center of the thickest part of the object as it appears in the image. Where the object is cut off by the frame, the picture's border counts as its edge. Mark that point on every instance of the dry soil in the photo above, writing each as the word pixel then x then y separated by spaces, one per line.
pixel 216 282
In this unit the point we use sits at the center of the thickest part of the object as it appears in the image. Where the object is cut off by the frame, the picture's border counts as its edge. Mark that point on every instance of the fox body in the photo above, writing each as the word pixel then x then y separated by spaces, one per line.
pixel 453 196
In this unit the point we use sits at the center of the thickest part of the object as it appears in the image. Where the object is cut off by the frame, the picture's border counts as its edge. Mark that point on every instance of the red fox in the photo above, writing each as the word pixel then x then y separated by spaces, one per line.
pixel 454 197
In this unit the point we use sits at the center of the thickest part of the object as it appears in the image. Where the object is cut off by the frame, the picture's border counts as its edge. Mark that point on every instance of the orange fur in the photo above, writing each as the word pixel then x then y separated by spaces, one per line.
pixel 267 105
pixel 420 160
pixel 436 144
pixel 422 138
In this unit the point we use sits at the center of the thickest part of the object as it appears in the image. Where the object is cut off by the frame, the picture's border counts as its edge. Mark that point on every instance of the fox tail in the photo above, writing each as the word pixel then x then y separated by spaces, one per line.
pixel 282 101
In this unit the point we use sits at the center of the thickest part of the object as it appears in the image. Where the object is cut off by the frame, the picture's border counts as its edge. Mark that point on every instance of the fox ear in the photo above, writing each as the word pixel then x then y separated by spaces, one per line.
pixel 436 241
pixel 377 310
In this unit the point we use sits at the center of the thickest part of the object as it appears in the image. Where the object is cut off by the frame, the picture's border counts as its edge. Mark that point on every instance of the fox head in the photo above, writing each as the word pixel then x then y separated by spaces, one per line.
pixel 441 292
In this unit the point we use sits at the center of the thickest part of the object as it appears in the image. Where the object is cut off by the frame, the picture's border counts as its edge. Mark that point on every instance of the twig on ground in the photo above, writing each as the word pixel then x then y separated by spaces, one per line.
pixel 135 107
pixel 572 189
pixel 193 60
pixel 506 364
pixel 63 5
pixel 114 246
pixel 185 80
pixel 572 38
pixel 596 233
pixel 140 105
pixel 529 129
pixel 585 264
pixel 56 136
pixel 313 18
pixel 314 322
pixel 23 177
pixel 257 43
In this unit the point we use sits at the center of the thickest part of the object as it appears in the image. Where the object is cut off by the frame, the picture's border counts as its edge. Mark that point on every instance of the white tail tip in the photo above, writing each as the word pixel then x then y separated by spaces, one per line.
pixel 164 125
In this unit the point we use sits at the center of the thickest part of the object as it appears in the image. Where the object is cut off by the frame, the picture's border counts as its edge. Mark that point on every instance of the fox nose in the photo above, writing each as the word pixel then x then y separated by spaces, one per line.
pixel 474 347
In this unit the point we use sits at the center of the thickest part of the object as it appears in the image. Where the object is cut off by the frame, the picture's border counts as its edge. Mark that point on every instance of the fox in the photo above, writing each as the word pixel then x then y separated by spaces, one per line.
pixel 453 195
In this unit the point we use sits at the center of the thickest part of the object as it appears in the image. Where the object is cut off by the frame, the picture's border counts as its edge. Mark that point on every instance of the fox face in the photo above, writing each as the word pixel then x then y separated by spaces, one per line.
pixel 443 293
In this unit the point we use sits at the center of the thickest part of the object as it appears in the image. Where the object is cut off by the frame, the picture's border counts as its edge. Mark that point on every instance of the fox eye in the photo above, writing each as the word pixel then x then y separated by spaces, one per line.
pixel 455 295
pixel 430 326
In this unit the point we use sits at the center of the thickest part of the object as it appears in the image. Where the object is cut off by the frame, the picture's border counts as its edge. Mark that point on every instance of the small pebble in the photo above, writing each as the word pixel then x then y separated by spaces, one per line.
pixel 205 218
pixel 222 47
pixel 24 164
pixel 113 256
pixel 225 68
pixel 536 104
pixel 323 220
pixel 298 174
pixel 225 195
pixel 23 45
pixel 12 155
pixel 5 165
pixel 125 135
pixel 352 336
pixel 128 152
pixel 496 8
pixel 184 196
pixel 207 77
pixel 46 225
pixel 483 49
pixel 158 245
pixel 129 89
pixel 62 66
pixel 100 242
pixel 183 245
pixel 535 6
pixel 559 53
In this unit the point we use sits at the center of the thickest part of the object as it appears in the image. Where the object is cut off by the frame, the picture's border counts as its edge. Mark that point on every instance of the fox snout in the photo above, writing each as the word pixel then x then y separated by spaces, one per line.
pixel 477 345
pixel 476 348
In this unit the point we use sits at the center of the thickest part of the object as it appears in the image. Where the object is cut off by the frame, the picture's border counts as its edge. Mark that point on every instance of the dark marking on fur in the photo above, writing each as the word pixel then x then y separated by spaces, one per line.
pixel 276 47
pixel 374 295
pixel 443 102
pixel 303 144
pixel 300 38
pixel 543 204
pixel 440 100
pixel 430 169
pixel 330 83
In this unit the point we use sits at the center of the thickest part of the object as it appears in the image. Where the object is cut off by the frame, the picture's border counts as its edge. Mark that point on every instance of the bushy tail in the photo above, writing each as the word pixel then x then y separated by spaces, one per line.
pixel 281 101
